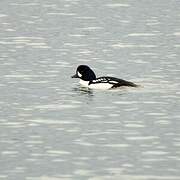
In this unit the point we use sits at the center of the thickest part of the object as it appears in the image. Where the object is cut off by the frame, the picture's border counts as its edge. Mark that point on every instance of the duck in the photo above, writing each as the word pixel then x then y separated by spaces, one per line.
pixel 89 80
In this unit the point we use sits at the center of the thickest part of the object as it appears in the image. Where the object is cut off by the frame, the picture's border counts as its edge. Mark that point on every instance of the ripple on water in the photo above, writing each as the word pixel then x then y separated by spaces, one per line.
pixel 141 34
pixel 29 41
pixel 31 142
pixel 13 124
pixel 156 153
pixel 116 5
pixel 9 154
pixel 142 138
pixel 83 172
pixel 117 145
pixel 118 174
pixel 61 14
pixel 133 125
pixel 2 176
pixel 83 143
pixel 125 102
pixel 77 35
pixel 92 116
pixel 153 21
pixel 51 121
pixel 123 45
pixel 92 28
pixel 55 107
pixel 24 4
pixel 162 122
pixel 57 152
pixel 68 177
pixel 176 34
pixel 3 15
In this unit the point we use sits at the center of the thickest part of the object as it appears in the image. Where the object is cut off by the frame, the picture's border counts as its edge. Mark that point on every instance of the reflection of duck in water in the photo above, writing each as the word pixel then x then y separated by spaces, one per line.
pixel 88 79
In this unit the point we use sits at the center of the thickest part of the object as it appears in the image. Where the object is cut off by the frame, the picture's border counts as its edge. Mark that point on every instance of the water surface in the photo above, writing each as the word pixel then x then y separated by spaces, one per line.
pixel 51 129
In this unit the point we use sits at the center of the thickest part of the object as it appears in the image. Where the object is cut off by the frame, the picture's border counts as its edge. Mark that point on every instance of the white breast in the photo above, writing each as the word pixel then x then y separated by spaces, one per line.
pixel 84 83
pixel 102 86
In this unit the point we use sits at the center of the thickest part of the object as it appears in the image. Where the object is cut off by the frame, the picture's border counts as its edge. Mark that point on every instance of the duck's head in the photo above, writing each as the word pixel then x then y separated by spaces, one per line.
pixel 85 73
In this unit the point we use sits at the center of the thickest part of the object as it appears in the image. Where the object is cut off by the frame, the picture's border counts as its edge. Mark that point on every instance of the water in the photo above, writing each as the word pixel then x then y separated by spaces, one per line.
pixel 52 129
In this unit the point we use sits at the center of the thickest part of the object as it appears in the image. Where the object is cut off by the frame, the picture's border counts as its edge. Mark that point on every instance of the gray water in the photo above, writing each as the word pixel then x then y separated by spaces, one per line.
pixel 51 128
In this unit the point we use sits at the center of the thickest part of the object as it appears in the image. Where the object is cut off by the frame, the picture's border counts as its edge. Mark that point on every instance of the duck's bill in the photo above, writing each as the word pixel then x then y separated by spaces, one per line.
pixel 75 76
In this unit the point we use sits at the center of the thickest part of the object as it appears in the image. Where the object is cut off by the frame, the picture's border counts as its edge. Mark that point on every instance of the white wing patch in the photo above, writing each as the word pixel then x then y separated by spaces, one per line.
pixel 100 83
pixel 103 83
pixel 104 80
pixel 100 80
pixel 113 82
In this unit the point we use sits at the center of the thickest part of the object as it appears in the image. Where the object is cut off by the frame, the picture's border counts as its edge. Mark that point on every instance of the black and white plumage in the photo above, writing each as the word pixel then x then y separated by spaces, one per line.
pixel 88 79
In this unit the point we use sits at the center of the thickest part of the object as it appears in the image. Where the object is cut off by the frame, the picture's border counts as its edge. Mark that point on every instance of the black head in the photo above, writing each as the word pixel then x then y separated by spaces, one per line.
pixel 85 73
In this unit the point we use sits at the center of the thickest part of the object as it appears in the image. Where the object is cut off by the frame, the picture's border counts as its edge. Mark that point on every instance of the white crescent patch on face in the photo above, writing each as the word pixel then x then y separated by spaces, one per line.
pixel 79 74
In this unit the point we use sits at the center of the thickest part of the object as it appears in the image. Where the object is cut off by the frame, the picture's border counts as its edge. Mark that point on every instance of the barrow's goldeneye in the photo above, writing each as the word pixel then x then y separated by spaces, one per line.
pixel 88 79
